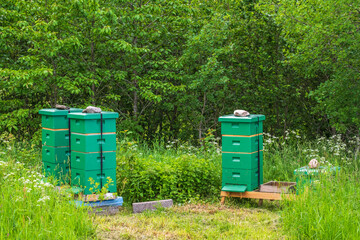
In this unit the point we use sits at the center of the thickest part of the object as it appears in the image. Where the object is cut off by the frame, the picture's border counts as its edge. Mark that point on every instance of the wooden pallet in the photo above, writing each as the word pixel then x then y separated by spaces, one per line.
pixel 266 195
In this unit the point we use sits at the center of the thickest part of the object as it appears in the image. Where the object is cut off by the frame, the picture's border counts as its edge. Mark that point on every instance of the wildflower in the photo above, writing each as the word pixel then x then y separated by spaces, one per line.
pixel 43 199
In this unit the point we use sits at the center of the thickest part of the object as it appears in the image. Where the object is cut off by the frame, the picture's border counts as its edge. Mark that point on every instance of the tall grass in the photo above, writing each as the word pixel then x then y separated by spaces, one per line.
pixel 330 210
pixel 31 208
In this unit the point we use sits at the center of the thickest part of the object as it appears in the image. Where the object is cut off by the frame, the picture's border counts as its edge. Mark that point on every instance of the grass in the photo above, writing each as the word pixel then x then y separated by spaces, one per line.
pixel 330 211
pixel 192 221
pixel 31 208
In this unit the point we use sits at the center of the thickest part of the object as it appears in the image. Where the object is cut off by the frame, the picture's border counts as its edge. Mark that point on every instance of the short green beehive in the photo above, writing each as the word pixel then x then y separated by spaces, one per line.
pixel 242 156
pixel 93 150
pixel 306 176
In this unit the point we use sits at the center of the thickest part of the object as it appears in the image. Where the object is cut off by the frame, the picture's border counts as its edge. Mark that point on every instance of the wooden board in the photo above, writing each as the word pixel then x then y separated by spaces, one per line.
pixel 277 187
pixel 96 197
pixel 263 195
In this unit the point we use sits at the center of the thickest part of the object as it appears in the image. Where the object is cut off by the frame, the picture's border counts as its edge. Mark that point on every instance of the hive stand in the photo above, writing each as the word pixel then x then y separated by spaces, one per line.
pixel 268 191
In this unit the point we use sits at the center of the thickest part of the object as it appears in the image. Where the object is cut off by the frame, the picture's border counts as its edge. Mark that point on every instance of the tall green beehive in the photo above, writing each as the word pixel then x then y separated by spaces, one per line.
pixel 91 138
pixel 242 152
pixel 55 142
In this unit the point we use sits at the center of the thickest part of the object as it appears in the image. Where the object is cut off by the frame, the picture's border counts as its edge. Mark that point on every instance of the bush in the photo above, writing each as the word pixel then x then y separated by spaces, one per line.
pixel 180 178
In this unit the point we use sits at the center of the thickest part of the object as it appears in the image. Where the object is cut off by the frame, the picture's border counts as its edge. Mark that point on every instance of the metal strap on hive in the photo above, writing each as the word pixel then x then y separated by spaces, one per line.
pixel 258 128
pixel 69 158
pixel 101 151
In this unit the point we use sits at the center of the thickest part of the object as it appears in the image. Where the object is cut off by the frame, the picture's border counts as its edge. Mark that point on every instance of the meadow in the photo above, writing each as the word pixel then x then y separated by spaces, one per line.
pixel 31 208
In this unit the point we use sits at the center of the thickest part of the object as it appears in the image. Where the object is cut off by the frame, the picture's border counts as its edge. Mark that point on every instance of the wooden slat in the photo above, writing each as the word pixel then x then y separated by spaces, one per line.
pixel 257 195
pixel 242 135
pixel 61 129
pixel 87 134
pixel 243 152
pixel 93 152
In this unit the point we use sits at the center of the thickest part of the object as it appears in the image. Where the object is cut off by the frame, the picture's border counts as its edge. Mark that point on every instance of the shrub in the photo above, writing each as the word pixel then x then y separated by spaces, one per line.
pixel 180 177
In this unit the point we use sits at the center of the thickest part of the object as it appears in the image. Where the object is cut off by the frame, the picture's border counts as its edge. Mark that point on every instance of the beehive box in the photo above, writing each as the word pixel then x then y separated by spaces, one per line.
pixel 81 178
pixel 242 144
pixel 58 171
pixel 247 178
pixel 55 138
pixel 86 123
pixel 92 161
pixel 232 125
pixel 56 119
pixel 89 143
pixel 241 160
pixel 55 154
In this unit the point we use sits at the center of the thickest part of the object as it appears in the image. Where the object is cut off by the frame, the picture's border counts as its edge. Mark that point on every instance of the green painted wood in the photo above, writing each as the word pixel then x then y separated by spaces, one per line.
pixel 55 155
pixel 242 144
pixel 92 125
pixel 55 138
pixel 242 161
pixel 91 161
pixel 247 178
pixel 55 118
pixel 81 178
pixel 91 143
pixel 250 118
pixel 234 188
pixel 58 171
pixel 240 128
pixel 87 116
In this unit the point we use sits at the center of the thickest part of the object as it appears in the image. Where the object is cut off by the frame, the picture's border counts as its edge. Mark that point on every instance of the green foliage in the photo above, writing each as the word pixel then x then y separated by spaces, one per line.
pixel 33 209
pixel 181 178
pixel 323 47
pixel 327 212
pixel 160 174
pixel 171 68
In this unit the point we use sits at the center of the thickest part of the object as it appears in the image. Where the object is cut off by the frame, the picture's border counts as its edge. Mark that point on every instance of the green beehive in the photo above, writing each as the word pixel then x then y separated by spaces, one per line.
pixel 91 143
pixel 242 156
pixel 56 119
pixel 90 122
pixel 58 171
pixel 55 141
pixel 92 137
pixel 306 176
pixel 55 138
pixel 81 178
pixel 55 154
pixel 92 161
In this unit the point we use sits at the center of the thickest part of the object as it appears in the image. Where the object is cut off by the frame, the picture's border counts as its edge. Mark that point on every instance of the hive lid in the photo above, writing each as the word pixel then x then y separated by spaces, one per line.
pixel 250 118
pixel 58 112
pixel 93 115
pixel 315 171
pixel 234 188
